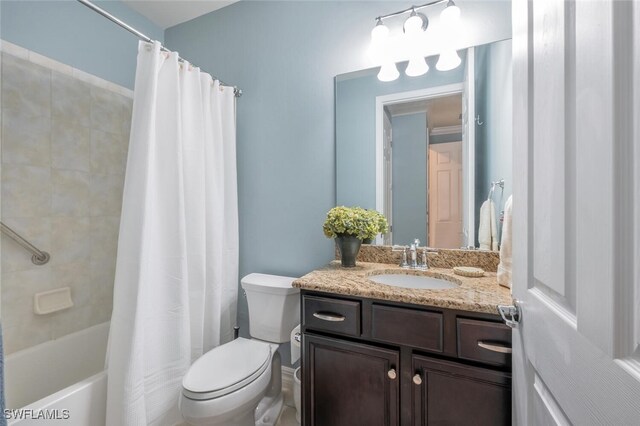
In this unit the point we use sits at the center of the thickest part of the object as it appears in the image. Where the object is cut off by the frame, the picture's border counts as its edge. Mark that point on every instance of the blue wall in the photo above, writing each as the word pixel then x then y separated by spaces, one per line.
pixel 356 126
pixel 72 34
pixel 409 178
pixel 285 55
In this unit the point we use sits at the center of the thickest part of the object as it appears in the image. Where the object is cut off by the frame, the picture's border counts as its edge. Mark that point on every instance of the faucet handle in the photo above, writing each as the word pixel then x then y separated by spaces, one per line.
pixel 404 249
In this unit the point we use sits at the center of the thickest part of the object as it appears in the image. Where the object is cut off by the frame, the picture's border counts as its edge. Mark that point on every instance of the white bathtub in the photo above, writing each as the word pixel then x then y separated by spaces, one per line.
pixel 63 374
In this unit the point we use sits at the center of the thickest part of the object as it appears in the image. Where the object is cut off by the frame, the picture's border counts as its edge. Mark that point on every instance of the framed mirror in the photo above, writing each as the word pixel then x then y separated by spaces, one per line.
pixel 426 151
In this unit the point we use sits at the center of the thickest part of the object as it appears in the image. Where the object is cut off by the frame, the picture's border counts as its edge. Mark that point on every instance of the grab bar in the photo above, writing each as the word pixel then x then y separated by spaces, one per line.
pixel 38 257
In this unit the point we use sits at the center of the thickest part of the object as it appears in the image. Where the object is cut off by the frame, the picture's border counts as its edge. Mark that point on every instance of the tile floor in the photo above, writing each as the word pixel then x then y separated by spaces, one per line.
pixel 287 417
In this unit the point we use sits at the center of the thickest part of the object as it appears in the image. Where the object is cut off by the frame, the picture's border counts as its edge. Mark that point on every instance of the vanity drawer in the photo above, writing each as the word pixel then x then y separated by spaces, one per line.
pixel 334 315
pixel 410 327
pixel 484 341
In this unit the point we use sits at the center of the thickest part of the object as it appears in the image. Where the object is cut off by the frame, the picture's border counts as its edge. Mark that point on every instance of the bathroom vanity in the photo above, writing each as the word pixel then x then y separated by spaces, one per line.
pixel 382 355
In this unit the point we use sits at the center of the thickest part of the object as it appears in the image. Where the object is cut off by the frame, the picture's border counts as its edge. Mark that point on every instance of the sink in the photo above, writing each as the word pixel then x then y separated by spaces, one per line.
pixel 412 281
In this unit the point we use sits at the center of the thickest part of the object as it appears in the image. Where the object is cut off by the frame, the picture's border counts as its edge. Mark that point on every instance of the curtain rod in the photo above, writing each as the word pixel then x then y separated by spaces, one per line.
pixel 142 36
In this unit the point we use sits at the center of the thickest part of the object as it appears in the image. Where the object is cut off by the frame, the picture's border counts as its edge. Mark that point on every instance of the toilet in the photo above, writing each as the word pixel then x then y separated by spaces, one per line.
pixel 240 383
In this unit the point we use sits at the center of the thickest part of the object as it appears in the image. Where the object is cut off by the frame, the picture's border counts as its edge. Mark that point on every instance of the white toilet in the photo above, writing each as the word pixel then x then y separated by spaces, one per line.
pixel 240 383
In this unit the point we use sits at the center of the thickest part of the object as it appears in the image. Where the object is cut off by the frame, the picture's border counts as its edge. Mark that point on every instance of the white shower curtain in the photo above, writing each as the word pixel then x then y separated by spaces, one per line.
pixel 177 267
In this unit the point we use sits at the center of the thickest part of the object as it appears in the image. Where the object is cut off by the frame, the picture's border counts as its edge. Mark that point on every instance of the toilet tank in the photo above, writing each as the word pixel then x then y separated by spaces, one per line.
pixel 274 306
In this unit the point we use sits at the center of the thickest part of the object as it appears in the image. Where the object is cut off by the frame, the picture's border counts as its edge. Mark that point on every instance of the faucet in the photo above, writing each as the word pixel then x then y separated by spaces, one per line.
pixel 414 253
pixel 403 262
pixel 425 261
pixel 413 249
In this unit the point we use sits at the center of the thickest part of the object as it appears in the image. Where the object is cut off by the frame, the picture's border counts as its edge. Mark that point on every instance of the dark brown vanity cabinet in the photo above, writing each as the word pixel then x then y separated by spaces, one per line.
pixel 369 362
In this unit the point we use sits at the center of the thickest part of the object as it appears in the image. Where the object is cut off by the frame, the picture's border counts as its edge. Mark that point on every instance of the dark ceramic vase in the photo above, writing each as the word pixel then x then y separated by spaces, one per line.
pixel 349 247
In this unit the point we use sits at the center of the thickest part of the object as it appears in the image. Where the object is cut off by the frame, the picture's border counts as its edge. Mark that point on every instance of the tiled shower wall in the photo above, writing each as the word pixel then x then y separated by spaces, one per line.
pixel 64 149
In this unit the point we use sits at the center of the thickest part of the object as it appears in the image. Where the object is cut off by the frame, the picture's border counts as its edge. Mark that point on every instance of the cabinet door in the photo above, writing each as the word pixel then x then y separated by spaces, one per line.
pixel 449 393
pixel 349 384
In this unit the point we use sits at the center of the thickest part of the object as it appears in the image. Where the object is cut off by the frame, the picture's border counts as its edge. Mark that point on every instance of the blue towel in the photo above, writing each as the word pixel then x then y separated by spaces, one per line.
pixel 3 419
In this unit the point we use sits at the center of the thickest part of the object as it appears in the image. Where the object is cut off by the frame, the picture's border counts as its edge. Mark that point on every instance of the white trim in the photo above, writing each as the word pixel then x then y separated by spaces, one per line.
pixel 471 151
pixel 446 130
pixel 44 61
pixel 395 98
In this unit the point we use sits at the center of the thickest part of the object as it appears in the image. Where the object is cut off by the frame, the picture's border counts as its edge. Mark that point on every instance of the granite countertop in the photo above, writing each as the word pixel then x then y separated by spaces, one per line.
pixel 474 294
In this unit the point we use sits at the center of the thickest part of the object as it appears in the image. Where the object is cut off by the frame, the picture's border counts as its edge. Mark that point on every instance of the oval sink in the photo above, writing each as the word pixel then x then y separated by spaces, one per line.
pixel 412 281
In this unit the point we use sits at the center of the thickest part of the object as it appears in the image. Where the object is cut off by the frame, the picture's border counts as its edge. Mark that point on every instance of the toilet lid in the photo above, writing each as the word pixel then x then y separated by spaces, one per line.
pixel 226 368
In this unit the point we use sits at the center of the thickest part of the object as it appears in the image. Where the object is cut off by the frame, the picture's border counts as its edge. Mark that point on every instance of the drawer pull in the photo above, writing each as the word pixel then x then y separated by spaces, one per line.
pixel 328 316
pixel 494 348
pixel 392 374
pixel 417 379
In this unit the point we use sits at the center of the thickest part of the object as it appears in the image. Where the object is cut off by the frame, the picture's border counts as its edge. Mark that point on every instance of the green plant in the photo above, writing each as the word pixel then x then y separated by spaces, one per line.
pixel 354 221
pixel 381 220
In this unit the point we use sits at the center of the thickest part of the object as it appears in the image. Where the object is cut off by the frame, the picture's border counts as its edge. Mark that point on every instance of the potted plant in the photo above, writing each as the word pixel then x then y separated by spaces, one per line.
pixel 382 228
pixel 349 226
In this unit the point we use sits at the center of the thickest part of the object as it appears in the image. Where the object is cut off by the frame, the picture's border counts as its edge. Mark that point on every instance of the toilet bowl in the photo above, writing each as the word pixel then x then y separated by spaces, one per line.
pixel 239 383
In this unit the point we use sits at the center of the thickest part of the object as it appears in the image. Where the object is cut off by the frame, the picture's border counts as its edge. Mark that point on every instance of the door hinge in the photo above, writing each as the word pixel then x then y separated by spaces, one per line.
pixel 511 314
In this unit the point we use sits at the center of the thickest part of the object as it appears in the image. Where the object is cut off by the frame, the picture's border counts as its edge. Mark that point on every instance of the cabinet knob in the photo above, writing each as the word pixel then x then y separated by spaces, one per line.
pixel 417 379
pixel 392 374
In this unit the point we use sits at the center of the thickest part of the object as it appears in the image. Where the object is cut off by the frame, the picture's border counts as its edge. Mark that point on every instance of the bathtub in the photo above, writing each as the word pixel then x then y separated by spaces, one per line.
pixel 64 378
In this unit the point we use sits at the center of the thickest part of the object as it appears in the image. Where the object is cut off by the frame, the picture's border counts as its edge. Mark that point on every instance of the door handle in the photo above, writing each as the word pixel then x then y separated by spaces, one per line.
pixel 494 347
pixel 392 374
pixel 329 316
pixel 511 314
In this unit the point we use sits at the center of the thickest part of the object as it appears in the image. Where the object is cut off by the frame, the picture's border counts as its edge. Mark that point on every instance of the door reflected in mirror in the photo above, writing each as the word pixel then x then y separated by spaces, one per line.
pixel 424 150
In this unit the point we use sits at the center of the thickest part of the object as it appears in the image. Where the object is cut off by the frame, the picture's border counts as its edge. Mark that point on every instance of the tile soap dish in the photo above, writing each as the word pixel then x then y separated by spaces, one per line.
pixel 468 271
pixel 51 301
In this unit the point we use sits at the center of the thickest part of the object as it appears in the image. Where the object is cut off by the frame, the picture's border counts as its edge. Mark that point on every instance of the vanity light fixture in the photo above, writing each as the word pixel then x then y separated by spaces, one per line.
pixel 379 50
pixel 388 72
pixel 414 28
pixel 450 19
pixel 413 41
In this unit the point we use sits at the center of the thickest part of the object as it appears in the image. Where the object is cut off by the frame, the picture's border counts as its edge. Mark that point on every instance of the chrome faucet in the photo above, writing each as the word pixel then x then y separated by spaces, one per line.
pixel 411 252
pixel 425 261
pixel 403 262
pixel 414 253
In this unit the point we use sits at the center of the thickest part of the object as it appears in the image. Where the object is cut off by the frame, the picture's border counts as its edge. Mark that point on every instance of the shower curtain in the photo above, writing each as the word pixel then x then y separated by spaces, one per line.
pixel 176 277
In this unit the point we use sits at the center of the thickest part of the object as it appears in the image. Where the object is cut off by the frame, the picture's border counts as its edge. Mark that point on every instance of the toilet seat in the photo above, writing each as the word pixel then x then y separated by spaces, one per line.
pixel 226 369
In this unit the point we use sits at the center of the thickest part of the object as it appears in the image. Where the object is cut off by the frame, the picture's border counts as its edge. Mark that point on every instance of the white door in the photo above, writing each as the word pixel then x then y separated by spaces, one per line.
pixel 576 216
pixel 445 195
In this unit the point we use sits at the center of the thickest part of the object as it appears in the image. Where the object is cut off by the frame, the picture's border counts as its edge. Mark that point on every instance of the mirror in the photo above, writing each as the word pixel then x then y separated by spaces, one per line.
pixel 427 150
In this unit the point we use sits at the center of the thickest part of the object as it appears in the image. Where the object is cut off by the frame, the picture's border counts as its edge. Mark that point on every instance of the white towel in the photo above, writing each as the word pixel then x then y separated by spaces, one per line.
pixel 504 268
pixel 488 229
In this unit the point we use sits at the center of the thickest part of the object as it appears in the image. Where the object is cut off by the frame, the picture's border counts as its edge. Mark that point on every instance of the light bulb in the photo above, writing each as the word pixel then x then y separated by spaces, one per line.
pixel 417 66
pixel 388 72
pixel 379 42
pixel 448 60
pixel 379 33
pixel 451 14
pixel 413 25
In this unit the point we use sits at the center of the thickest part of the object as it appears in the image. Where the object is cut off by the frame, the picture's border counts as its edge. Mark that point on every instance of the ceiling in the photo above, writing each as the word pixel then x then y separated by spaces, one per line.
pixel 167 13
pixel 441 112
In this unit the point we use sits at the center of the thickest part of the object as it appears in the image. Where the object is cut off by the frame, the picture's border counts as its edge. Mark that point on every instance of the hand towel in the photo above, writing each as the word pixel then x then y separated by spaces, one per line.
pixel 488 230
pixel 504 267
pixel 494 227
